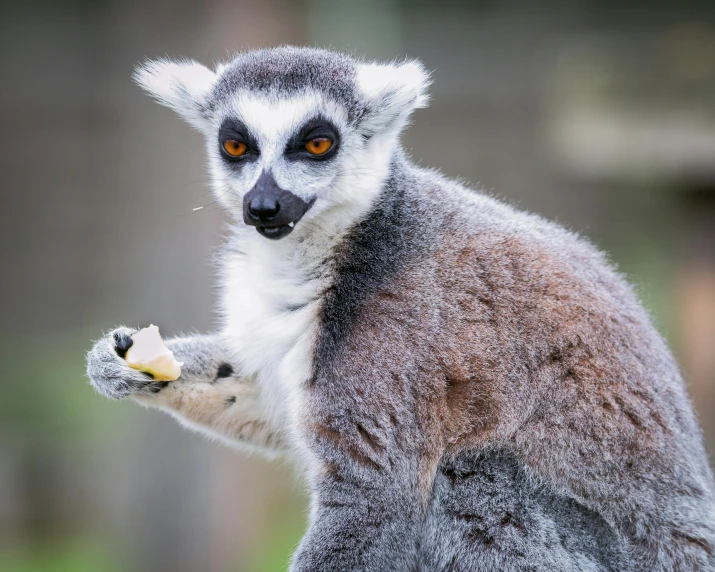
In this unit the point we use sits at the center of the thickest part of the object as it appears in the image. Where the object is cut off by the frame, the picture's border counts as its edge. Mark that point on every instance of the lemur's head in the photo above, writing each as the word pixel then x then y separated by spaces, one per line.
pixel 292 132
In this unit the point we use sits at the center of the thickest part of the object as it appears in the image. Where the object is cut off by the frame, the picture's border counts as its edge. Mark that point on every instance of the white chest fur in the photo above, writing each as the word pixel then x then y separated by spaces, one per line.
pixel 271 303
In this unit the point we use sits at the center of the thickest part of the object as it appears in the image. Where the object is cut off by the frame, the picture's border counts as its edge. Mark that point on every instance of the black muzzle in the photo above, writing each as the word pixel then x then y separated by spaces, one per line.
pixel 272 210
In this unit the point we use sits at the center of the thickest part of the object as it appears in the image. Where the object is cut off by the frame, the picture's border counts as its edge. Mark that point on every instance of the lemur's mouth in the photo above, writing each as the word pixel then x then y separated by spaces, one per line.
pixel 276 232
pixel 272 228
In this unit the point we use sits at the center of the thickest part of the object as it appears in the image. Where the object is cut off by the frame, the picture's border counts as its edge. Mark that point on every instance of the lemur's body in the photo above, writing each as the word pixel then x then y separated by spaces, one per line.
pixel 467 387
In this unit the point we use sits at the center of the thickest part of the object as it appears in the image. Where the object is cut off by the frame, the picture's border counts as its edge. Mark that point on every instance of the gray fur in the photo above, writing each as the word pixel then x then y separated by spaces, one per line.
pixel 566 376
pixel 486 392
pixel 288 70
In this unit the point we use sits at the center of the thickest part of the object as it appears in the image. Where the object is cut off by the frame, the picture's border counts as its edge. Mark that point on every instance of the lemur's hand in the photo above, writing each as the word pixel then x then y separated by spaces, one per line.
pixel 109 373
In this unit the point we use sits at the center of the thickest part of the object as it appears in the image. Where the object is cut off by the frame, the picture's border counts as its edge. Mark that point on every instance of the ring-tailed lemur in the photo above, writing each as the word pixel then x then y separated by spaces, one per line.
pixel 468 387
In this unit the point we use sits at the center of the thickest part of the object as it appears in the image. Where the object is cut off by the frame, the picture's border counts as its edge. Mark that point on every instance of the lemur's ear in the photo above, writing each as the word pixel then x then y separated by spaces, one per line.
pixel 184 86
pixel 391 92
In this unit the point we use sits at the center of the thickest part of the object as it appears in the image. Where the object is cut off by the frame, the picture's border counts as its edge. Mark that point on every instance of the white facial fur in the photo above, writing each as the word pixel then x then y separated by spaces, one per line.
pixel 272 120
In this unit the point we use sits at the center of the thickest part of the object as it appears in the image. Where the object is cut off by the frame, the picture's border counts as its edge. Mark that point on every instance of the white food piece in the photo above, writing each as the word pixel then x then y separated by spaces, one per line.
pixel 149 354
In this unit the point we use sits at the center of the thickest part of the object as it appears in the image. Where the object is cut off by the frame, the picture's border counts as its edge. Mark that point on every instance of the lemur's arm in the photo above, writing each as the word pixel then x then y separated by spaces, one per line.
pixel 208 396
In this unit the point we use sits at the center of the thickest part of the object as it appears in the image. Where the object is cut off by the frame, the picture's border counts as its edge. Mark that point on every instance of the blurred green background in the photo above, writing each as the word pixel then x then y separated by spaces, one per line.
pixel 598 114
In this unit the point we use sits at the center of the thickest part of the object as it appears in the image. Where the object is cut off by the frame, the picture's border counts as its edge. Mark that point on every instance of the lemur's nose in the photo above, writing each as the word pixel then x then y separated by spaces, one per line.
pixel 264 207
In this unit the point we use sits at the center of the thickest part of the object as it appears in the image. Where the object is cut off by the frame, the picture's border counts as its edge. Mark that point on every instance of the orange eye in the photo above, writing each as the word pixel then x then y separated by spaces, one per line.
pixel 234 148
pixel 318 146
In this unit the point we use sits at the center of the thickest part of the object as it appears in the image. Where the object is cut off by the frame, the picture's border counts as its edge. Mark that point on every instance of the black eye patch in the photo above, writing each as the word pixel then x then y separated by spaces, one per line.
pixel 233 129
pixel 316 128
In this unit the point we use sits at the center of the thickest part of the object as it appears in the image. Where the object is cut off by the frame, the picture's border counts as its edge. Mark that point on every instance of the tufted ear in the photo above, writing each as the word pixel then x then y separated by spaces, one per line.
pixel 391 92
pixel 183 85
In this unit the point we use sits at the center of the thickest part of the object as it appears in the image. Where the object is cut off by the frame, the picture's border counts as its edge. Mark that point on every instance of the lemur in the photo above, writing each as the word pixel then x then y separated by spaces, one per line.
pixel 464 386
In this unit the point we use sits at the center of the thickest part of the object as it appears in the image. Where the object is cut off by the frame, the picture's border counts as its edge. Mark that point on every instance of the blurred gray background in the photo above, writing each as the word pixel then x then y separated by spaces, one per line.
pixel 598 114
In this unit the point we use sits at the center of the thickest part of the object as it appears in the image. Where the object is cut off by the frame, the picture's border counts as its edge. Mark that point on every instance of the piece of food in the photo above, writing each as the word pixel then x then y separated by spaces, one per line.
pixel 149 354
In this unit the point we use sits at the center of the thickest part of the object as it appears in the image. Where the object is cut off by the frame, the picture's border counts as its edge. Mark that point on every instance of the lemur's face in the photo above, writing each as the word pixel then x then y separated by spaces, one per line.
pixel 292 133
pixel 274 158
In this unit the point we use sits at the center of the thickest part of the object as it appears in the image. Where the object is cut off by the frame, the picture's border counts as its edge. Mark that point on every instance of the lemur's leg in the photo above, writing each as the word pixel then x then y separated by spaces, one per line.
pixel 371 487
pixel 209 396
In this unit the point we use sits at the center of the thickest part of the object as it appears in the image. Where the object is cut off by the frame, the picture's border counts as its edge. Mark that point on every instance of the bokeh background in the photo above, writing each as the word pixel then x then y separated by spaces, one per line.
pixel 600 114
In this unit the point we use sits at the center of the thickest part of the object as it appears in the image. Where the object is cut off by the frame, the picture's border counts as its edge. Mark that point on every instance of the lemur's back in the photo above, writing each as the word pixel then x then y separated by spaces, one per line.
pixel 563 419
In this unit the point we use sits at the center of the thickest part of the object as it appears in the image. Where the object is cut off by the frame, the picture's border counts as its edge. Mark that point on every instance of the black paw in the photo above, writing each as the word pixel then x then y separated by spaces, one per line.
pixel 122 342
pixel 224 370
